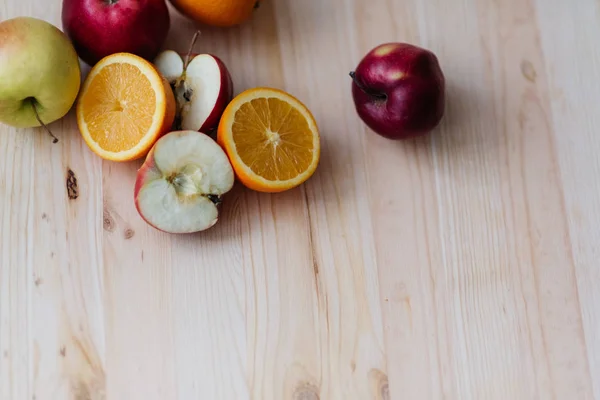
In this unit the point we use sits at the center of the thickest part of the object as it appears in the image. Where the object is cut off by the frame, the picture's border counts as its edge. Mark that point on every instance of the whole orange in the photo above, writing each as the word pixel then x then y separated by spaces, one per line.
pixel 217 12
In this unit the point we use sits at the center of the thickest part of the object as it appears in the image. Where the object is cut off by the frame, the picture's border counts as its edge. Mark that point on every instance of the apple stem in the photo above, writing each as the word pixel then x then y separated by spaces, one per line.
pixel 380 96
pixel 257 5
pixel 189 53
pixel 37 116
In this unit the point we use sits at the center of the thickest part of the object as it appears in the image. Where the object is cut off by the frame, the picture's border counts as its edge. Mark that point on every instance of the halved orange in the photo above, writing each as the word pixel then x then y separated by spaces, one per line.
pixel 271 138
pixel 125 105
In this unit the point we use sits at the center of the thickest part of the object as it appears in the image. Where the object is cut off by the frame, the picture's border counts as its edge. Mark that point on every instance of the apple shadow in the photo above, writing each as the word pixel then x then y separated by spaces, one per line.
pixel 243 210
pixel 474 130
pixel 230 226
pixel 466 115
pixel 181 32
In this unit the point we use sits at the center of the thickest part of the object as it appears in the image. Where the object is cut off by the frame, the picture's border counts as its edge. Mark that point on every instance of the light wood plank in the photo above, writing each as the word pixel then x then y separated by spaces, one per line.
pixel 315 40
pixel 403 207
pixel 63 296
pixel 138 298
pixel 572 60
pixel 539 217
pixel 16 262
pixel 507 296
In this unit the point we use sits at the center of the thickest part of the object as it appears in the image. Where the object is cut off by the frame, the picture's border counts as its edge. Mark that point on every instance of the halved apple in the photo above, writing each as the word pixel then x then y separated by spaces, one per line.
pixel 179 186
pixel 203 88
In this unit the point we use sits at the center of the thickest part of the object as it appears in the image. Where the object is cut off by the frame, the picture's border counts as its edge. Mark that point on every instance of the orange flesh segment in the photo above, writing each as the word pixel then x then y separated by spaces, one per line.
pixel 273 139
pixel 119 107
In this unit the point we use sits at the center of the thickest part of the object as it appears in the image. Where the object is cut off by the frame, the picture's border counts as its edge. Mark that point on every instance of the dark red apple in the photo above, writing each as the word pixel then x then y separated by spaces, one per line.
pixel 99 28
pixel 399 90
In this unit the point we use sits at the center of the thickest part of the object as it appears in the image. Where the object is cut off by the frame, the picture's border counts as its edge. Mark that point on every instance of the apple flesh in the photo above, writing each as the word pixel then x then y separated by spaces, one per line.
pixel 203 89
pixel 39 73
pixel 179 186
pixel 99 28
pixel 399 90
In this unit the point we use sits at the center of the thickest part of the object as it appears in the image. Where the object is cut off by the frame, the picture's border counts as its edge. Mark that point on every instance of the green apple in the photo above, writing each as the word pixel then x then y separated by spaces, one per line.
pixel 39 73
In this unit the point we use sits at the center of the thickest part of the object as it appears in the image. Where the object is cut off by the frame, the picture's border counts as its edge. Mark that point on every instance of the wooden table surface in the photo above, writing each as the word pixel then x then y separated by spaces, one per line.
pixel 464 265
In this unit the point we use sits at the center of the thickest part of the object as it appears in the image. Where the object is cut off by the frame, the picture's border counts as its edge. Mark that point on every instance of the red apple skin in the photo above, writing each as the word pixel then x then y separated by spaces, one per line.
pixel 399 91
pixel 99 28
pixel 223 100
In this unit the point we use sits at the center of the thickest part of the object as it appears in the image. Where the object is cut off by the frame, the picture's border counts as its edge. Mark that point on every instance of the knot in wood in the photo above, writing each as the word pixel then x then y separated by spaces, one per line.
pixel 108 221
pixel 72 188
pixel 306 391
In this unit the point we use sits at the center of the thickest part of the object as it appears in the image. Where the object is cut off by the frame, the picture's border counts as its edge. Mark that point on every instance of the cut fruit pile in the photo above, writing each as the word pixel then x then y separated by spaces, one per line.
pixel 265 137
pixel 125 105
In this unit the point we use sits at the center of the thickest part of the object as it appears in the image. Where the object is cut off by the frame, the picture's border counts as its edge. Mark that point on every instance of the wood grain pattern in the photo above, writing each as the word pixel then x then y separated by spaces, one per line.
pixel 463 265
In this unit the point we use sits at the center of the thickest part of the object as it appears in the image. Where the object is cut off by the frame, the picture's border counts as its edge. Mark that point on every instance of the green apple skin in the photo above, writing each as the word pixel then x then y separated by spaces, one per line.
pixel 38 64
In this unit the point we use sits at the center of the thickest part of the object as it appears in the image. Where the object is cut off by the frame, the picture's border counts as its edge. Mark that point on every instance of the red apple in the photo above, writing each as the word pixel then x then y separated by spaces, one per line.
pixel 179 186
pixel 99 28
pixel 203 88
pixel 399 90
